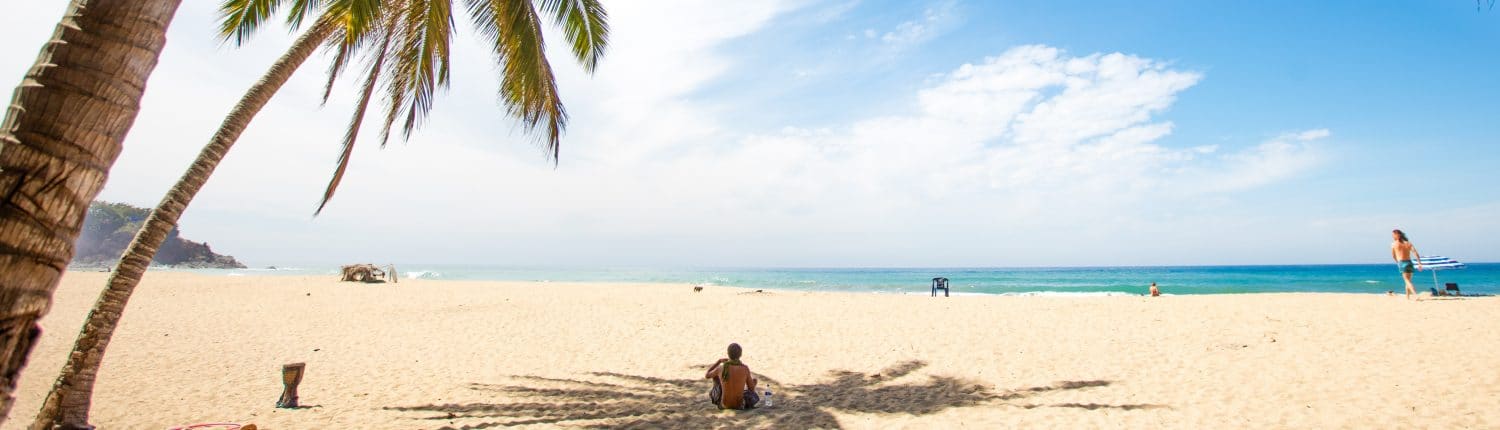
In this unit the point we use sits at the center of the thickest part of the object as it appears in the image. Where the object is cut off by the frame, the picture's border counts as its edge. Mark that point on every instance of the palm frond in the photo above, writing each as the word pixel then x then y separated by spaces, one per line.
pixel 351 35
pixel 527 86
pixel 238 19
pixel 360 17
pixel 343 52
pixel 300 10
pixel 586 26
pixel 420 64
pixel 351 135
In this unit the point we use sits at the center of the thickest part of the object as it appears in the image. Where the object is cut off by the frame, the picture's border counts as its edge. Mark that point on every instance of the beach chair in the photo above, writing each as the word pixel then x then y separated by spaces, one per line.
pixel 1453 286
pixel 940 284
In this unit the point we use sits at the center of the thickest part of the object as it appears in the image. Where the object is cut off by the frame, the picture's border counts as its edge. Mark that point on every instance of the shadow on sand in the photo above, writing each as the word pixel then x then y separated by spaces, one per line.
pixel 1457 298
pixel 614 400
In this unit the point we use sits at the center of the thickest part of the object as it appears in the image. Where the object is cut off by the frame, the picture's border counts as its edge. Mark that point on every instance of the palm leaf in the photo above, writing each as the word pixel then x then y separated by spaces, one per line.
pixel 300 10
pixel 343 52
pixel 527 86
pixel 240 18
pixel 351 35
pixel 585 25
pixel 351 135
pixel 360 17
pixel 420 65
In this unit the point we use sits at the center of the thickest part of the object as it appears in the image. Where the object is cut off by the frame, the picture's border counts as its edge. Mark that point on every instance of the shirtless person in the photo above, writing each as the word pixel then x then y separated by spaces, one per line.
pixel 1154 291
pixel 734 386
pixel 1407 259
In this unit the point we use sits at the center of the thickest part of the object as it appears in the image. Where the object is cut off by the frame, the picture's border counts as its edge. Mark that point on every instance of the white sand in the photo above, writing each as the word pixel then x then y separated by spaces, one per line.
pixel 435 354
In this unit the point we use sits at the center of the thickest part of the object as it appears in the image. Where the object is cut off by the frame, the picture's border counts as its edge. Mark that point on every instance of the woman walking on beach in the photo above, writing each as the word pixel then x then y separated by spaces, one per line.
pixel 1407 259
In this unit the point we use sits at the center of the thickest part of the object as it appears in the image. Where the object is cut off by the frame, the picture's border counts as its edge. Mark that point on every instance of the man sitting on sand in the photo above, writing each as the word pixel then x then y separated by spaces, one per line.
pixel 734 386
pixel 1155 292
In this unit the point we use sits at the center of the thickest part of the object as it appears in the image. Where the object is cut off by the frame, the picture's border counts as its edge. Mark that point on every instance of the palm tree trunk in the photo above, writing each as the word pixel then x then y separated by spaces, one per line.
pixel 67 405
pixel 61 134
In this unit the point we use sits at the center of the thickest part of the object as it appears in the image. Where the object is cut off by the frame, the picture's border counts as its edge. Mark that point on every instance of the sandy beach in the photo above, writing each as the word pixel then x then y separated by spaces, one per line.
pixel 472 355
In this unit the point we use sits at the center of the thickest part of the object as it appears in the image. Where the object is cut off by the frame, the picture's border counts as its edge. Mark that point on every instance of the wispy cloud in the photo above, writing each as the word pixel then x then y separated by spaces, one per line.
pixel 1032 126
pixel 834 11
pixel 1314 134
pixel 934 20
pixel 1030 144
pixel 1032 136
pixel 1269 162
pixel 906 33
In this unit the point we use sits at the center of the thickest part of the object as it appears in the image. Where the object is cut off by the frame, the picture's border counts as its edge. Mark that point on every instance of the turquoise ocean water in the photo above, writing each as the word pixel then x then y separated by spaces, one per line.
pixel 1373 279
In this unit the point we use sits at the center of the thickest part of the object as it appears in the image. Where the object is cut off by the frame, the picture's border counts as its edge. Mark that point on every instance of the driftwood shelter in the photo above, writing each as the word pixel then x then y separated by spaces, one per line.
pixel 369 273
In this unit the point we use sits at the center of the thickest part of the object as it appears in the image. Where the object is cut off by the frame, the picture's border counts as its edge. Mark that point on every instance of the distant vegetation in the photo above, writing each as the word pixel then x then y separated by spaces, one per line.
pixel 109 228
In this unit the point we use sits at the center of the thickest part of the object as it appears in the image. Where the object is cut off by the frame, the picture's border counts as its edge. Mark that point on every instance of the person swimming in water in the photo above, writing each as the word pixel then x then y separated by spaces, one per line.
pixel 1407 258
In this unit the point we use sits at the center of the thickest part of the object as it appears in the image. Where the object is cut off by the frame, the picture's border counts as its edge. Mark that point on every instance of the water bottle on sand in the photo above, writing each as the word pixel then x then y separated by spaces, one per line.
pixel 768 398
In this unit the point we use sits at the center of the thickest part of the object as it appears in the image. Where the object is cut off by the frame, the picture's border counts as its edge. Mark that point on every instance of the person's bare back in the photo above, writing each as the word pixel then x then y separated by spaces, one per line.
pixel 1402 251
pixel 1407 258
pixel 734 385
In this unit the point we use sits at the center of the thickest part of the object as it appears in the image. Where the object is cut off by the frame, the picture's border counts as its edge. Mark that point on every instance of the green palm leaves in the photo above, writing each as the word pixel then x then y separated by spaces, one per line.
pixel 583 23
pixel 407 47
pixel 240 18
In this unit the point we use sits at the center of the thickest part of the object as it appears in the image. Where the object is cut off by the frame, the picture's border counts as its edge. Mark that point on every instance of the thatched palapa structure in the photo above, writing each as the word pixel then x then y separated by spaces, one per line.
pixel 368 273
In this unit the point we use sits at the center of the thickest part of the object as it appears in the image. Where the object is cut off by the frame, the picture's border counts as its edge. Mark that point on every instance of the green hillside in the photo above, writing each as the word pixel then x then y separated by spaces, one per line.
pixel 109 228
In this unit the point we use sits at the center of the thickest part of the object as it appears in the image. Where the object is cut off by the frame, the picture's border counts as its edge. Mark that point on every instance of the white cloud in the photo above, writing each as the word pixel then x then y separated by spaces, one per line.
pixel 1031 145
pixel 905 33
pixel 1269 162
pixel 913 32
pixel 835 11
pixel 1027 126
pixel 1313 134
pixel 1032 137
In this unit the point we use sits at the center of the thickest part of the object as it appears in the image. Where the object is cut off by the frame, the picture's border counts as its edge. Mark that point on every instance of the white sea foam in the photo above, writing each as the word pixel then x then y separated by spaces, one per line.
pixel 1038 294
pixel 271 269
pixel 928 293
pixel 423 274
pixel 1073 294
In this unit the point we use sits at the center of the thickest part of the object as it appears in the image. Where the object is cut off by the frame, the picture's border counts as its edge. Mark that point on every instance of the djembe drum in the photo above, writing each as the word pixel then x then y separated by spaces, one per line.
pixel 291 375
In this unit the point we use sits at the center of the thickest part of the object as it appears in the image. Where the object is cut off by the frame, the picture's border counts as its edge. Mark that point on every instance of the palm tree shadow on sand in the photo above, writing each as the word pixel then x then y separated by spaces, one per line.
pixel 614 400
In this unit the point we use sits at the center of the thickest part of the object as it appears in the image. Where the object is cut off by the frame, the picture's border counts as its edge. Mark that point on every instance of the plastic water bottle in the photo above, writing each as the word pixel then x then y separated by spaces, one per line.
pixel 768 398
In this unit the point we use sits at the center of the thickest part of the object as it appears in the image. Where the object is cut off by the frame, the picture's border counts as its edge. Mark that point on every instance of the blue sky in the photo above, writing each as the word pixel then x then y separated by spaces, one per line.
pixel 875 133
pixel 1398 78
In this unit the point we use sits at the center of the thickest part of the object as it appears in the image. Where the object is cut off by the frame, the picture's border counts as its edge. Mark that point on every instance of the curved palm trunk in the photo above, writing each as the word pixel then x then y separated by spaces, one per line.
pixel 61 134
pixel 67 405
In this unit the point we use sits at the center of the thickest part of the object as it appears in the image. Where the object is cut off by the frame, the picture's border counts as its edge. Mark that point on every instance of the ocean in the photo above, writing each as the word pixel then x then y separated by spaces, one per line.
pixel 1355 278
